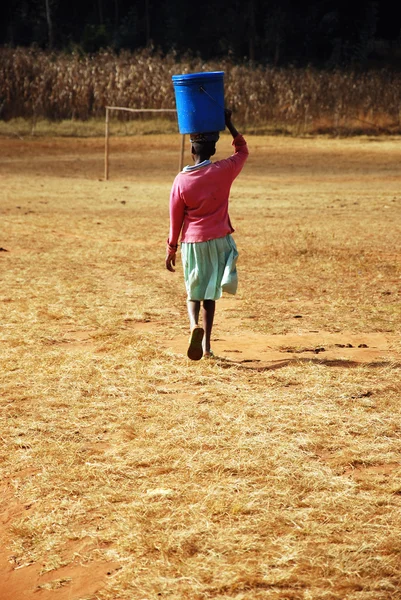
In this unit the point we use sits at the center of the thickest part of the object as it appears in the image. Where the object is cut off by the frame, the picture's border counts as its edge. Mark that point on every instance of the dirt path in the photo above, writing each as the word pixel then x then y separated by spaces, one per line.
pixel 237 345
pixel 27 581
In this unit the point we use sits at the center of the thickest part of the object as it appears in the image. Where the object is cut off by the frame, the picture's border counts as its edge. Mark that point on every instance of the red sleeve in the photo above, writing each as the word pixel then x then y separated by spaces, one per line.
pixel 177 211
pixel 241 149
pixel 236 161
pixel 240 144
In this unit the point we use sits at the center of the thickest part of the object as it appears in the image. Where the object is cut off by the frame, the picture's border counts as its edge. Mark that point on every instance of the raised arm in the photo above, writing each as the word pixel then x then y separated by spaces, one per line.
pixel 237 160
pixel 229 124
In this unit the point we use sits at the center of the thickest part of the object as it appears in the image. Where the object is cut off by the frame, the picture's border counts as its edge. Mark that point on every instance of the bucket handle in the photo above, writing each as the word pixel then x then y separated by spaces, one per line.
pixel 202 89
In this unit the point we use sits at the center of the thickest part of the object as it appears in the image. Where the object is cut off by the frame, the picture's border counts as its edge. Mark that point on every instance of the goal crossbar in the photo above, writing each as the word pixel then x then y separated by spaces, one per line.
pixel 135 110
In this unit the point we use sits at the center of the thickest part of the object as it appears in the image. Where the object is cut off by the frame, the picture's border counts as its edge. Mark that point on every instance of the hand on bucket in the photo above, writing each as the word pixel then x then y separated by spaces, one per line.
pixel 229 124
pixel 227 115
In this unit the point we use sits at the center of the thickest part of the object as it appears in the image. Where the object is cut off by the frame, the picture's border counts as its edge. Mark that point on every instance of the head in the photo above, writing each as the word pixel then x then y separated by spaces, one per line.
pixel 203 145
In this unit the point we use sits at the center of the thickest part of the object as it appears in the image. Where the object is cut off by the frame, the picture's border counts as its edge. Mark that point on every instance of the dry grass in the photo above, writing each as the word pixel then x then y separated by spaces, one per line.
pixel 200 481
pixel 23 128
pixel 35 85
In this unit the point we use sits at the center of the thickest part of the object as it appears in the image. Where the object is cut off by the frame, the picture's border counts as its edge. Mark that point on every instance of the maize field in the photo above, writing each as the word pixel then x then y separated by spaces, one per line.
pixel 38 84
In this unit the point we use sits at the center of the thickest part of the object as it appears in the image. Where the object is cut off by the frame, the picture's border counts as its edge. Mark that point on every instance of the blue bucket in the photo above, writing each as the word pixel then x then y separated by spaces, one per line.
pixel 199 101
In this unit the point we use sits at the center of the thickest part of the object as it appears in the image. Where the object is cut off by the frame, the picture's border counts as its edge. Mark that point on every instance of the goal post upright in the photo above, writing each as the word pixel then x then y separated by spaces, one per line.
pixel 134 110
pixel 106 146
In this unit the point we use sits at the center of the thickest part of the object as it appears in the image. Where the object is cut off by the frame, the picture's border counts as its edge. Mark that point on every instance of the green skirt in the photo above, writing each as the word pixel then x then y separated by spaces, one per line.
pixel 210 268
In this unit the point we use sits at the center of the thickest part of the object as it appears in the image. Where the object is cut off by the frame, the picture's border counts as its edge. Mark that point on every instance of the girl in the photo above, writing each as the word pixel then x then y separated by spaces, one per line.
pixel 199 211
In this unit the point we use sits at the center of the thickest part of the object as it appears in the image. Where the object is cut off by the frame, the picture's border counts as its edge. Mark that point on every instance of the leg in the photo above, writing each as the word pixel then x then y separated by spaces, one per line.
pixel 195 350
pixel 193 312
pixel 208 318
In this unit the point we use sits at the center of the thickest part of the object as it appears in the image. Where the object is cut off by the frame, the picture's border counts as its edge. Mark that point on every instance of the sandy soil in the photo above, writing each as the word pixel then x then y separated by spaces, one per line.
pixel 238 346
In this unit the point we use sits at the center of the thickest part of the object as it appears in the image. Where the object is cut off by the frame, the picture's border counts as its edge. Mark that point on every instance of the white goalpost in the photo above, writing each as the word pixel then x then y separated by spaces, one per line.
pixel 135 110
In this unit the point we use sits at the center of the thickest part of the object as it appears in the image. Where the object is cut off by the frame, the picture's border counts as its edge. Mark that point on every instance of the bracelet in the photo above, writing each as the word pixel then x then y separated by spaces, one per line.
pixel 172 247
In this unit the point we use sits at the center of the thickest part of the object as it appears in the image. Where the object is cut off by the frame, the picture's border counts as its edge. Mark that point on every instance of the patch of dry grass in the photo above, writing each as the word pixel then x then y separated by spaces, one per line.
pixel 201 481
pixel 23 128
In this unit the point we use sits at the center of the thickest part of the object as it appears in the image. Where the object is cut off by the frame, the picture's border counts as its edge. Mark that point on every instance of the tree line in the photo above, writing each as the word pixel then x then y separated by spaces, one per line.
pixel 280 32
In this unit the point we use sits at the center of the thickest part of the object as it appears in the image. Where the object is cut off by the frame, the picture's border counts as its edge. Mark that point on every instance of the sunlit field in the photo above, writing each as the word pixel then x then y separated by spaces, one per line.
pixel 129 472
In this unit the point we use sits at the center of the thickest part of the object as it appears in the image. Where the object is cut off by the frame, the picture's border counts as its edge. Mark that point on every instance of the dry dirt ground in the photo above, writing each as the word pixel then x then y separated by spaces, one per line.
pixel 318 225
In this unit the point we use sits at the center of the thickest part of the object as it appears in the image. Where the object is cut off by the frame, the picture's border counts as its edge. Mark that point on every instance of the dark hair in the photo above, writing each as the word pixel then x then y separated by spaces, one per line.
pixel 206 149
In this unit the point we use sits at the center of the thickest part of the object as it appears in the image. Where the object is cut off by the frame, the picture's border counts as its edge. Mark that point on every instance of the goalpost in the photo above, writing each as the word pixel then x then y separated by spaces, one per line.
pixel 135 110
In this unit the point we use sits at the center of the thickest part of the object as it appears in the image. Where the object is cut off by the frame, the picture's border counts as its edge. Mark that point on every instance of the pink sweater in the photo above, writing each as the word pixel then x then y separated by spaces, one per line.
pixel 199 198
